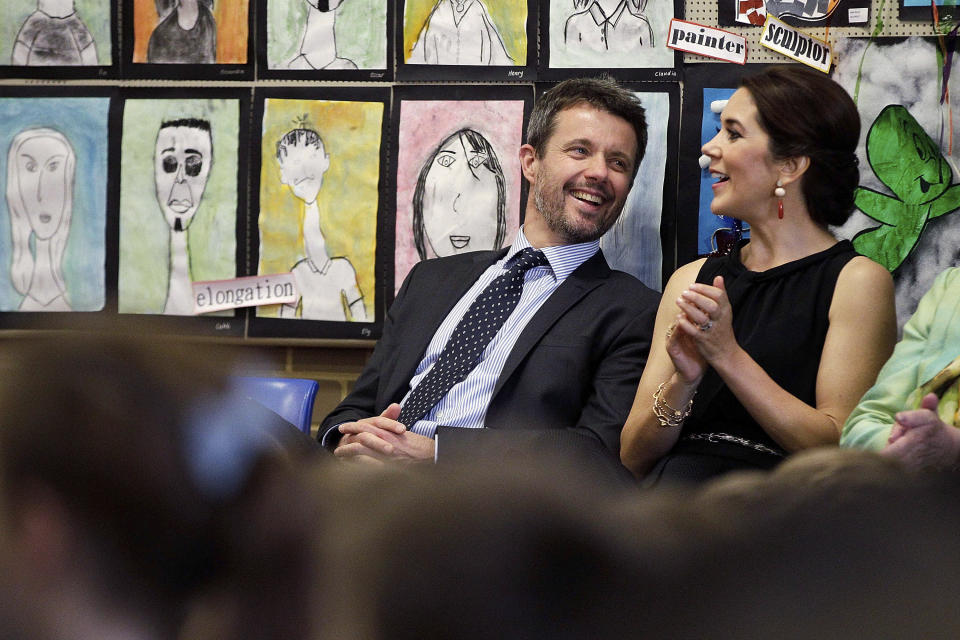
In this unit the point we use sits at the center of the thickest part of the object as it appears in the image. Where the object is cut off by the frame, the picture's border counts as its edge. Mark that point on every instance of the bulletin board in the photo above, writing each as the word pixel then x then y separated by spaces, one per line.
pixel 269 52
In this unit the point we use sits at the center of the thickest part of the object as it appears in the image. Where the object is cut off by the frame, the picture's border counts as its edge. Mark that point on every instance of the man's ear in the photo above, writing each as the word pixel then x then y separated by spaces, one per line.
pixel 528 162
pixel 793 168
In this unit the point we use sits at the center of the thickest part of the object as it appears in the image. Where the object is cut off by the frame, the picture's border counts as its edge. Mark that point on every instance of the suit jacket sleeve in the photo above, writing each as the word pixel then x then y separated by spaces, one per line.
pixel 931 339
pixel 361 402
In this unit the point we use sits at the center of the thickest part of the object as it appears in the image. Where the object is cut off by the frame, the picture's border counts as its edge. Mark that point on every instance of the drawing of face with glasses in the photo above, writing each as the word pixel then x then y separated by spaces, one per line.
pixel 182 160
pixel 460 200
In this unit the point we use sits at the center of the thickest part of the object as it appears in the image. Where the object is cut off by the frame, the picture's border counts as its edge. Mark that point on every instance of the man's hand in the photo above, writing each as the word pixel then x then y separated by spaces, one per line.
pixel 381 438
pixel 920 440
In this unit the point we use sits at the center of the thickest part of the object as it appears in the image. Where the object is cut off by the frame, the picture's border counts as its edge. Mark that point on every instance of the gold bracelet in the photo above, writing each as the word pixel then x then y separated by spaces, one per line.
pixel 666 415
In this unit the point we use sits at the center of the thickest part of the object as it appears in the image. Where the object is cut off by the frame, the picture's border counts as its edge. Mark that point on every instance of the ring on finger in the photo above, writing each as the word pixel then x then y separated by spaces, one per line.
pixel 706 326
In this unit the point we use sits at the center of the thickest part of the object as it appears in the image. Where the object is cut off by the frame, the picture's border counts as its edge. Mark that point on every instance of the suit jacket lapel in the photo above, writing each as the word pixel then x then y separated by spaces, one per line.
pixel 436 305
pixel 584 279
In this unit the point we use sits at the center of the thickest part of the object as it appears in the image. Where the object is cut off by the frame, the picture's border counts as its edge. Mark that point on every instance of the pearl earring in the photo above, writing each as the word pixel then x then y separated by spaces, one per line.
pixel 780 192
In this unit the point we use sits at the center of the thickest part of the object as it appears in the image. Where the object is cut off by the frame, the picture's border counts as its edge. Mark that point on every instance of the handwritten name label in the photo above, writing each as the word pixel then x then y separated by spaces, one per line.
pixel 793 43
pixel 252 291
pixel 707 41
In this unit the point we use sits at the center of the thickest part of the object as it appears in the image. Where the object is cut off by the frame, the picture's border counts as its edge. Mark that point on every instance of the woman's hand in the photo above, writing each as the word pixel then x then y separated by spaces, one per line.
pixel 706 320
pixel 687 361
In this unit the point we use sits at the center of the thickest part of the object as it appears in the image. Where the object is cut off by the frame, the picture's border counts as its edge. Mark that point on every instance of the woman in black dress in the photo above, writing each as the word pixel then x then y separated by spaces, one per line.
pixel 766 351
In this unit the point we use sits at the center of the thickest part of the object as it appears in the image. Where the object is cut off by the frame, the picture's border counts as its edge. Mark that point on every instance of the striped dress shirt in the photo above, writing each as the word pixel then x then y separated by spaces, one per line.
pixel 465 405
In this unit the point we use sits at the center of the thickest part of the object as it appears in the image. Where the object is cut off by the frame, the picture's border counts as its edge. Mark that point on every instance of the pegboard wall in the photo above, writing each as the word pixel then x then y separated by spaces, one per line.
pixel 705 12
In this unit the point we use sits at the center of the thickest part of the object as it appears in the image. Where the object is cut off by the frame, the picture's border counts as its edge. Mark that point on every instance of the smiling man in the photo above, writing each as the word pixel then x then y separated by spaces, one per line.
pixel 534 349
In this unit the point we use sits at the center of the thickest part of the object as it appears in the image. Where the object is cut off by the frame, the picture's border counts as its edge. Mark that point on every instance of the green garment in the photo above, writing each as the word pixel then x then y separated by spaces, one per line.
pixel 931 340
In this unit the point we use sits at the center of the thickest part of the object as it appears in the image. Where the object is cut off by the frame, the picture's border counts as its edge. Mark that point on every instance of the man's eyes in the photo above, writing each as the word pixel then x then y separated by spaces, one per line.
pixel 193 165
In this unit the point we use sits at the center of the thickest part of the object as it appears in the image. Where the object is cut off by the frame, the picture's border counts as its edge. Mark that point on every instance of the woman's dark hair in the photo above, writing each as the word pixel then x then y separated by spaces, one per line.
pixel 471 141
pixel 805 113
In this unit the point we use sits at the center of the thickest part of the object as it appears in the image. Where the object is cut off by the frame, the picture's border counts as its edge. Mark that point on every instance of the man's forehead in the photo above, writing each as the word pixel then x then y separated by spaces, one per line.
pixel 579 121
pixel 178 137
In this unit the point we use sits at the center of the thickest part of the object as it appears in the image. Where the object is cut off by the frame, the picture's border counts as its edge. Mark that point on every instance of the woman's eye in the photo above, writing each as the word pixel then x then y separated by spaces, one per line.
pixel 477 159
pixel 446 161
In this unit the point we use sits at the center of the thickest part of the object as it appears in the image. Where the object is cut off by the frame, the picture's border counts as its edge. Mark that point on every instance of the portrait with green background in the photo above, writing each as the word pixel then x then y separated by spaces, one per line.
pixel 144 233
pixel 361 32
pixel 94 13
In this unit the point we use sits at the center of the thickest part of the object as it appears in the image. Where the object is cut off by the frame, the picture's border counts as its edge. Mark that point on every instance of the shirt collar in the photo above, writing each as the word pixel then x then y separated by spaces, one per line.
pixel 599 17
pixel 564 259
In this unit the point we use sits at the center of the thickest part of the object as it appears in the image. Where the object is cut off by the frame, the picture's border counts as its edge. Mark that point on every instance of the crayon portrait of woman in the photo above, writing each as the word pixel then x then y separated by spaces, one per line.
pixel 40 179
pixel 460 199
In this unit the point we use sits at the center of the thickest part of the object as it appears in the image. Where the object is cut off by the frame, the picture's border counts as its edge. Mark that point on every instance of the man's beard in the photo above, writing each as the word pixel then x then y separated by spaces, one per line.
pixel 549 200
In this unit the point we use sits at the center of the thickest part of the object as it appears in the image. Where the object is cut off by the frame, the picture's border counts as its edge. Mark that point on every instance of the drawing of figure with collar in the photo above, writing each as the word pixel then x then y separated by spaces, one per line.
pixel 619 26
pixel 54 35
pixel 327 285
pixel 460 32
pixel 318 46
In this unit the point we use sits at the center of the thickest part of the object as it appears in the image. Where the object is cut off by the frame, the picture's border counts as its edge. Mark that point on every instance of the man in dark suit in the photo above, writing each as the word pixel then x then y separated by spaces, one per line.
pixel 561 372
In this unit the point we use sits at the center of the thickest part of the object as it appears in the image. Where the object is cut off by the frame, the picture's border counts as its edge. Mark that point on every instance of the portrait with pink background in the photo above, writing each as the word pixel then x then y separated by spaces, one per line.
pixel 465 156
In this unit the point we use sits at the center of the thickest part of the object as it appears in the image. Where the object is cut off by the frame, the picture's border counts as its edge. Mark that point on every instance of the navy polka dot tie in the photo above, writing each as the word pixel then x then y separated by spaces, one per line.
pixel 470 338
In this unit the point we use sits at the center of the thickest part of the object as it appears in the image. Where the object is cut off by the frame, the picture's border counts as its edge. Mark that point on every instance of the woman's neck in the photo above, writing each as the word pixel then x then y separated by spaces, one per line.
pixel 778 243
pixel 319 45
pixel 44 286
pixel 188 12
pixel 56 8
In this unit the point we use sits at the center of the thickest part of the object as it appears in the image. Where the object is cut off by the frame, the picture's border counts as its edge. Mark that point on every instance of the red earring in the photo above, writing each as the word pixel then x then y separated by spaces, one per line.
pixel 780 192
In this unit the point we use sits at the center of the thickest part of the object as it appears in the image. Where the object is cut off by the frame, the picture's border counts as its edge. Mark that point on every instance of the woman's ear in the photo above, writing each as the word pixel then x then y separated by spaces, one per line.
pixel 792 168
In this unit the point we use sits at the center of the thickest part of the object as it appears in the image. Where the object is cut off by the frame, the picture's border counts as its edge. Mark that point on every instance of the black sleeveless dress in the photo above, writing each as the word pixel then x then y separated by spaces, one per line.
pixel 780 318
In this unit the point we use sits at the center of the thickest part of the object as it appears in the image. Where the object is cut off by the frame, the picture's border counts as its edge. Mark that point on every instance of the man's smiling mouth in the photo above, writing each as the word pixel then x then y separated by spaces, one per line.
pixel 590 198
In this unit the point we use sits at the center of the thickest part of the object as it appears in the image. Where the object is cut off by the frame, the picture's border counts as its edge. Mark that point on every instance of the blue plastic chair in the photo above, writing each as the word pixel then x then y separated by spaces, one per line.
pixel 290 398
